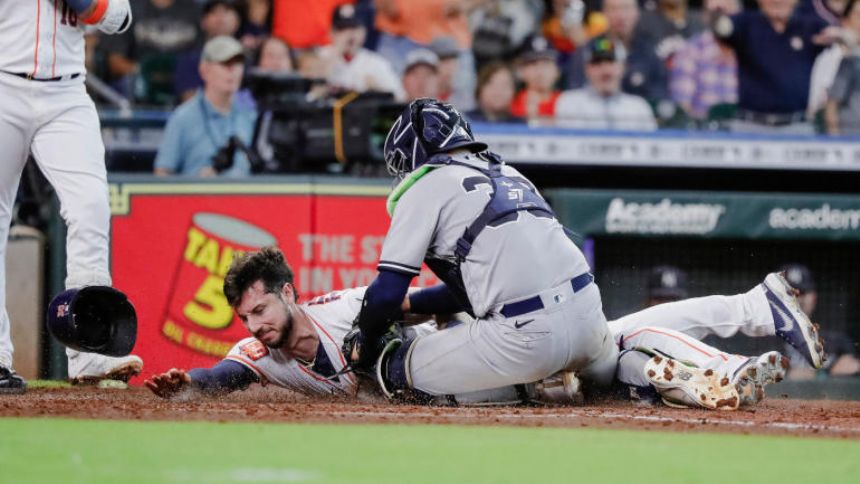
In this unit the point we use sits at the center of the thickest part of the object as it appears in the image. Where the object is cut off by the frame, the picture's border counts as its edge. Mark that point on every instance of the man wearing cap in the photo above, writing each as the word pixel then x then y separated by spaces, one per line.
pixel 538 70
pixel 219 17
pixel 204 124
pixel 842 357
pixel 601 104
pixel 421 75
pixel 666 284
pixel 351 66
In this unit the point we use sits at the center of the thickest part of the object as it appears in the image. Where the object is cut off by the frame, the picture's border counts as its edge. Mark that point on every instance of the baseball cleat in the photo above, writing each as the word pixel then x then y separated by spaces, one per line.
pixel 683 386
pixel 11 382
pixel 92 368
pixel 751 378
pixel 790 322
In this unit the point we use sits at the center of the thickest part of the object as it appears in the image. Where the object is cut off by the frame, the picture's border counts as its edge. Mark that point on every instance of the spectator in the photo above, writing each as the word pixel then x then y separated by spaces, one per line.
pixel 205 124
pixel 421 77
pixel 501 27
pixel 494 94
pixel 843 107
pixel 601 104
pixel 841 357
pixel 274 56
pixel 829 10
pixel 405 25
pixel 666 284
pixel 666 29
pixel 162 29
pixel 349 65
pixel 775 49
pixel 827 63
pixel 304 24
pixel 644 74
pixel 256 23
pixel 568 24
pixel 539 72
pixel 220 17
pixel 448 52
pixel 705 72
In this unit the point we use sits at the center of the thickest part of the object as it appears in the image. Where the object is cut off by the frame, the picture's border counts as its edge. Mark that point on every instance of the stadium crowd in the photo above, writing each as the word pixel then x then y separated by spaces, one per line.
pixel 773 66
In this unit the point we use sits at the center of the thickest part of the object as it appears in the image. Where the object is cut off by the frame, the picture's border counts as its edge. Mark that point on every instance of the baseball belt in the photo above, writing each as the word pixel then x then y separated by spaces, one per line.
pixel 535 303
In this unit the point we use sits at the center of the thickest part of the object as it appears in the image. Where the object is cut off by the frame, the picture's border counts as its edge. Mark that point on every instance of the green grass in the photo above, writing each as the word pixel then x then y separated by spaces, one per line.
pixel 53 450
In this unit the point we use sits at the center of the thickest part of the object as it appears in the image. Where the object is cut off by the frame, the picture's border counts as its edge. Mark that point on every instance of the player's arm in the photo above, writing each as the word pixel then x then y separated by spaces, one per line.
pixel 225 377
pixel 382 302
pixel 109 16
pixel 437 299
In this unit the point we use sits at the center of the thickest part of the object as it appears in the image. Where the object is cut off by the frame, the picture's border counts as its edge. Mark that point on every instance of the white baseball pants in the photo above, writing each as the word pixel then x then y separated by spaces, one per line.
pixel 569 333
pixel 58 123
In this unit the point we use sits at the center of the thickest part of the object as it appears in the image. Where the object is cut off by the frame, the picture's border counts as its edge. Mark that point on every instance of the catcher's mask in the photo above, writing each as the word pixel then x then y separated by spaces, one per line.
pixel 96 319
pixel 426 127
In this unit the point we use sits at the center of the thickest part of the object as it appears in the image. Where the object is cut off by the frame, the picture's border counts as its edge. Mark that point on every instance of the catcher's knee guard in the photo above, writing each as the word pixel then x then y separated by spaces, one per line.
pixel 393 373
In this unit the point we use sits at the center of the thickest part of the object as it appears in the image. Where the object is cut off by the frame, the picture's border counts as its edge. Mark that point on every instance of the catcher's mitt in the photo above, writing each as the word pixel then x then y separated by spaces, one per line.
pixel 362 354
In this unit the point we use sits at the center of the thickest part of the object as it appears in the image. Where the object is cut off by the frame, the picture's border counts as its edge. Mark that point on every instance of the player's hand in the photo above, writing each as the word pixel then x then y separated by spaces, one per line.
pixel 168 383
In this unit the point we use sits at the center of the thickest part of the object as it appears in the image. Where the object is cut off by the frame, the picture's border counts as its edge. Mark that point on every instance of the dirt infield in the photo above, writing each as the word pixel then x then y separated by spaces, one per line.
pixel 839 419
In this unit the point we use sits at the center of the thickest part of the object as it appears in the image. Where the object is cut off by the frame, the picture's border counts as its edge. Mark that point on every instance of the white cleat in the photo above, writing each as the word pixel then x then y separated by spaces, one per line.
pixel 683 386
pixel 751 379
pixel 91 368
pixel 790 322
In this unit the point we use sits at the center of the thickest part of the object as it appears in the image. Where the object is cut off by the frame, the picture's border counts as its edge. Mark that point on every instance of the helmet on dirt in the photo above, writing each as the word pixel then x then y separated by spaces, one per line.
pixel 425 128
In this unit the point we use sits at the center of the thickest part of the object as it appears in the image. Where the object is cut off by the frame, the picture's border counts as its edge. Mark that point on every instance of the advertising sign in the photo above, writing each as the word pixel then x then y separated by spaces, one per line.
pixel 172 245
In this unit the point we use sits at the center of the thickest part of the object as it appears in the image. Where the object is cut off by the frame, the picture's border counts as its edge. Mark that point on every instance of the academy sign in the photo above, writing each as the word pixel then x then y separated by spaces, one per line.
pixel 663 217
pixel 819 218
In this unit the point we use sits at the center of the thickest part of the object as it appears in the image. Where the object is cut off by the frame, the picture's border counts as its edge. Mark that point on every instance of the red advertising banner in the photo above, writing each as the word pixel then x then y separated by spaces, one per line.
pixel 171 246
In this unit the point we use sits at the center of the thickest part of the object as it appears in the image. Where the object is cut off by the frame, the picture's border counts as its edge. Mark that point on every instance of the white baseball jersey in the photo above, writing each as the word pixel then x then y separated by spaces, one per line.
pixel 332 316
pixel 43 38
pixel 364 72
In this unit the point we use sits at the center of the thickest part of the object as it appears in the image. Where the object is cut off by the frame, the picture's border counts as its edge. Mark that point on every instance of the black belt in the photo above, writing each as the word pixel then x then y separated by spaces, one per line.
pixel 772 119
pixel 29 77
pixel 534 303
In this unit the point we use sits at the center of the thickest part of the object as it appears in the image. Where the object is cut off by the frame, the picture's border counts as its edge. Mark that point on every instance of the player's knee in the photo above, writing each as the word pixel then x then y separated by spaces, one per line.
pixel 87 210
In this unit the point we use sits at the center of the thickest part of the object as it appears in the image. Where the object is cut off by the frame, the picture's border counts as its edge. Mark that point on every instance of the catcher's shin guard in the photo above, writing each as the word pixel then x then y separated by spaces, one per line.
pixel 393 373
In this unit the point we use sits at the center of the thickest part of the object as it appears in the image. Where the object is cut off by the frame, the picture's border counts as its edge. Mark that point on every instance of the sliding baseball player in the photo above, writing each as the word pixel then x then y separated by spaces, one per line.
pixel 299 346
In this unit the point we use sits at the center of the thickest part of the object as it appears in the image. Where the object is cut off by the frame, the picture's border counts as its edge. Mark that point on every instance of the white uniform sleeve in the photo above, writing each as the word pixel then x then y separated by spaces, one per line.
pixel 413 226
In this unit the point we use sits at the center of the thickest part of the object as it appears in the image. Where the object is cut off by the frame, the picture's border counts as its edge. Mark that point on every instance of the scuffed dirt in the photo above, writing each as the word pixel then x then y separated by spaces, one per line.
pixel 824 418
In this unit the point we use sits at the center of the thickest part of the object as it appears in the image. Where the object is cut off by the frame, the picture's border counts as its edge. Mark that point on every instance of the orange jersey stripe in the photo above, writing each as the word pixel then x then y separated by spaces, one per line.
pixel 700 350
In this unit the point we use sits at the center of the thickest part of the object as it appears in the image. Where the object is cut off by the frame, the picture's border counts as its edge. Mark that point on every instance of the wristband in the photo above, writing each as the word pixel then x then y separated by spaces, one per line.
pixel 98 12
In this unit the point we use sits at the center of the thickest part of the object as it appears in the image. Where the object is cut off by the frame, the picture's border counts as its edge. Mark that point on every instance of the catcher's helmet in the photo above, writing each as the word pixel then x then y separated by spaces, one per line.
pixel 426 127
pixel 97 319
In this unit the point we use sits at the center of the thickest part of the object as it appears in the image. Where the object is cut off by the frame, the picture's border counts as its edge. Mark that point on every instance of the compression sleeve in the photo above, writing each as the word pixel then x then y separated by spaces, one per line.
pixel 434 300
pixel 382 302
pixel 225 377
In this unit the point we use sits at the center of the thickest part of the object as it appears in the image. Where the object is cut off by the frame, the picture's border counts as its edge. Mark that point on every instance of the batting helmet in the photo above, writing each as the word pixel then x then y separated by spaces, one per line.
pixel 426 127
pixel 97 319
